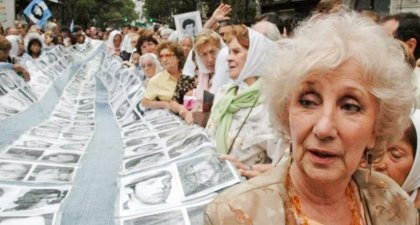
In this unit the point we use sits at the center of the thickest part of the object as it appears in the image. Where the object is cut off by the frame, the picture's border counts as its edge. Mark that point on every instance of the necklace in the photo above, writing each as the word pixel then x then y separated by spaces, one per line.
pixel 301 219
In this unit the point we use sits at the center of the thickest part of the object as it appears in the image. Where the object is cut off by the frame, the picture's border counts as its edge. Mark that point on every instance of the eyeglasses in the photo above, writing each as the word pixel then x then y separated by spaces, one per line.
pixel 166 56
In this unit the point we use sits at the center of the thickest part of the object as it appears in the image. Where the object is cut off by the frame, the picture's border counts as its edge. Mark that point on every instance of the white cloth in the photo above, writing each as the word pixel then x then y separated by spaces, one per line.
pixel 412 182
pixel 261 50
pixel 221 72
pixel 110 41
pixel 14 41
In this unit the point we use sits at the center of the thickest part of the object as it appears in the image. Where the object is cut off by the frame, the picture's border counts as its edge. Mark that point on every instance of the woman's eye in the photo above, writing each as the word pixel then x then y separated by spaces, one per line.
pixel 351 107
pixel 308 100
pixel 395 153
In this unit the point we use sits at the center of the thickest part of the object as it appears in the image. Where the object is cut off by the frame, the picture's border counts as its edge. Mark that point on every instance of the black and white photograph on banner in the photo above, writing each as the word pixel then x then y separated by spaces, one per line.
pixel 76 137
pixel 46 219
pixel 27 141
pixel 123 109
pixel 183 152
pixel 173 217
pixel 168 126
pixel 71 146
pixel 52 174
pixel 61 157
pixel 187 144
pixel 188 24
pixel 21 153
pixel 156 114
pixel 205 174
pixel 139 130
pixel 165 134
pixel 144 162
pixel 148 191
pixel 44 133
pixel 196 214
pixel 7 81
pixel 164 120
pixel 139 141
pixel 13 170
pixel 34 200
pixel 131 117
pixel 180 134
pixel 143 149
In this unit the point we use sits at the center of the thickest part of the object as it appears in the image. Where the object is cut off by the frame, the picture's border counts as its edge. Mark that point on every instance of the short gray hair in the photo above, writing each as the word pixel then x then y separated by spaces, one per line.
pixel 324 42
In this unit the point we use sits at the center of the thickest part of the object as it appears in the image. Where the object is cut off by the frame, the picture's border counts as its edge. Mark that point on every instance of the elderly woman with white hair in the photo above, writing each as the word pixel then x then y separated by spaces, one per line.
pixel 340 92
pixel 150 65
pixel 114 43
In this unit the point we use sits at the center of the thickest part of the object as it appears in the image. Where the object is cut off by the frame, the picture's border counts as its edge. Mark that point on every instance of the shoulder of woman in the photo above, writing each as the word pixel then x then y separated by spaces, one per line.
pixel 388 203
pixel 256 201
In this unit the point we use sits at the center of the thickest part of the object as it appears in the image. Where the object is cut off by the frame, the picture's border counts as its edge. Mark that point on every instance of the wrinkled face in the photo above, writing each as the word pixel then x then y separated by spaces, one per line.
pixel 397 161
pixel 332 117
pixel 168 59
pixel 154 190
pixel 148 47
pixel 186 45
pixel 208 53
pixel 117 41
pixel 236 58
pixel 149 68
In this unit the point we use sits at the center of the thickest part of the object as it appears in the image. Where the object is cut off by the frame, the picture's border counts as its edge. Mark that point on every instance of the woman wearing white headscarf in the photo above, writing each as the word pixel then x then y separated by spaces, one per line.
pixel 114 43
pixel 17 47
pixel 239 121
pixel 401 161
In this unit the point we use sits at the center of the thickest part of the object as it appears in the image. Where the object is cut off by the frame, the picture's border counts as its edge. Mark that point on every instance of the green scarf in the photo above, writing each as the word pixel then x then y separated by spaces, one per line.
pixel 222 113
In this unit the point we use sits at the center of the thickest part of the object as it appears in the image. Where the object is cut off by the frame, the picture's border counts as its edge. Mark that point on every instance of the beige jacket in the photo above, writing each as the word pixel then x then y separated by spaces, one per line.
pixel 263 200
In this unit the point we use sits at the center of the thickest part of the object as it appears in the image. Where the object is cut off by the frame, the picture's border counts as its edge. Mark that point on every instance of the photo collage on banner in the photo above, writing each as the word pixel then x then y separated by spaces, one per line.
pixel 168 166
pixel 37 169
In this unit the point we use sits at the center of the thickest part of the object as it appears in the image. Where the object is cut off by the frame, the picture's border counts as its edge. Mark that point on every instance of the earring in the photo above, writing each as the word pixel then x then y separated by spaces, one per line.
pixel 369 160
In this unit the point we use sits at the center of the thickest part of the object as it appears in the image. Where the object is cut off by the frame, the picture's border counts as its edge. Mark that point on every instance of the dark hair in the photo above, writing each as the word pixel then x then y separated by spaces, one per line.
pixel 409 27
pixel 410 135
pixel 145 38
pixel 33 197
pixel 33 11
pixel 187 22
pixel 5 44
pixel 176 49
pixel 32 42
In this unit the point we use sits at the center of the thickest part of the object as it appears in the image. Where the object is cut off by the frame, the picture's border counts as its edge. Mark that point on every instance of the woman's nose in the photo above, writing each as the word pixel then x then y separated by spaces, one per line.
pixel 325 127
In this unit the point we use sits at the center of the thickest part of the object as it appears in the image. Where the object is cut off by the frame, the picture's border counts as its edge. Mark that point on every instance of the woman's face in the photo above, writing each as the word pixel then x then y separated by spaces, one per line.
pixel 186 45
pixel 208 53
pixel 236 58
pixel 117 41
pixel 331 120
pixel 148 47
pixel 397 161
pixel 149 68
pixel 168 60
pixel 35 48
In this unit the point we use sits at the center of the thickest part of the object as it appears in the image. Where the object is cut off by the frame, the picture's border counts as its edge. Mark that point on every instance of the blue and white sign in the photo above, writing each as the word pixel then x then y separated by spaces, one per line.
pixel 38 12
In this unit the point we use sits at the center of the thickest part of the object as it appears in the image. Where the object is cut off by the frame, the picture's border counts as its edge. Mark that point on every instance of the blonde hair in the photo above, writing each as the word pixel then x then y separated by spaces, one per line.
pixel 206 36
pixel 324 42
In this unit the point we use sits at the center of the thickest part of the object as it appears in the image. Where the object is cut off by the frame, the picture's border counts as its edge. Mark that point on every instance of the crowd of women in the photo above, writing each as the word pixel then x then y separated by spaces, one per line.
pixel 307 114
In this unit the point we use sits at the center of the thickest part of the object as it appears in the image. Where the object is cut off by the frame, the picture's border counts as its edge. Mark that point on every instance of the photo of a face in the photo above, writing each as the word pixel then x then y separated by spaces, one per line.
pixel 143 162
pixel 33 199
pixel 45 173
pixel 11 171
pixel 62 157
pixel 23 153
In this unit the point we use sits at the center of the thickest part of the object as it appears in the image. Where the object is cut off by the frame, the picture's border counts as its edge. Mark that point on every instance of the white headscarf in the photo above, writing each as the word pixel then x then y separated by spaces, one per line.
pixel 261 50
pixel 154 60
pixel 110 41
pixel 14 41
pixel 412 182
pixel 31 36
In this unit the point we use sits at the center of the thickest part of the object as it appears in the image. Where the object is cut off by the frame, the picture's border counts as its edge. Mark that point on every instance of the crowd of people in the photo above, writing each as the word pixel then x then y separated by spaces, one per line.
pixel 307 113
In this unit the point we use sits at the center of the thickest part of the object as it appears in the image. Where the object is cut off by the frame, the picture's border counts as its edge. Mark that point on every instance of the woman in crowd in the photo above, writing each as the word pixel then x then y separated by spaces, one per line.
pixel 34 45
pixel 239 122
pixel 147 44
pixel 340 90
pixel 161 87
pixel 114 43
pixel 401 160
pixel 150 65
pixel 17 47
pixel 186 43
